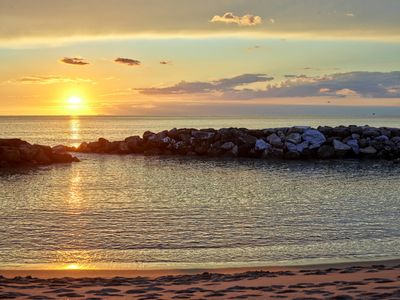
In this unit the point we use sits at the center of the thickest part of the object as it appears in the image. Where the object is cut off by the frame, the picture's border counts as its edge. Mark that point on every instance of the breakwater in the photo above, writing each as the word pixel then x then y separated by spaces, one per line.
pixel 16 152
pixel 298 142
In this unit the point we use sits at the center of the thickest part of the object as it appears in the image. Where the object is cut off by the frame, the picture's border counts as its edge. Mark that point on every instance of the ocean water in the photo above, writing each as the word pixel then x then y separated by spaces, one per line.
pixel 135 212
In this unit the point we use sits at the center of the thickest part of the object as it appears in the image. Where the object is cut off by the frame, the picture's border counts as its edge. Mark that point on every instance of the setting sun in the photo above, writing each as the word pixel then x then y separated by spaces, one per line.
pixel 76 105
pixel 74 100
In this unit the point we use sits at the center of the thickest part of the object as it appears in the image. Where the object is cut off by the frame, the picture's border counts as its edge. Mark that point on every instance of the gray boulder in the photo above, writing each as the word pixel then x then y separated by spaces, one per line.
pixel 314 137
pixel 261 145
pixel 275 140
pixel 353 143
pixel 368 151
pixel 227 146
pixel 294 138
pixel 341 149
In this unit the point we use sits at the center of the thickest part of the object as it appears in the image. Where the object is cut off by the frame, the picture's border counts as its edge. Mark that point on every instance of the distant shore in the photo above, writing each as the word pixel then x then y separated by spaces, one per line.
pixel 363 280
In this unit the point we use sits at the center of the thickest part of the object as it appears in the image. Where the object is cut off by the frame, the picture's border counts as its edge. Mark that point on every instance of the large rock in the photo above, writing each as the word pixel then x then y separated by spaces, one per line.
pixel 368 151
pixel 341 149
pixel 314 137
pixel 10 155
pixel 227 146
pixel 302 146
pixel 134 143
pixel 353 143
pixel 275 140
pixel 261 145
pixel 294 138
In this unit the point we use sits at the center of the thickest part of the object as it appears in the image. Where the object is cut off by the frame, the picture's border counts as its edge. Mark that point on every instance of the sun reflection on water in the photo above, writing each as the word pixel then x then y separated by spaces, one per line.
pixel 74 127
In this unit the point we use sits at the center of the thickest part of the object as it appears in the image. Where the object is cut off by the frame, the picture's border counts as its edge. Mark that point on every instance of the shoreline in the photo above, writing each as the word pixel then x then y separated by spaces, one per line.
pixel 76 273
pixel 347 281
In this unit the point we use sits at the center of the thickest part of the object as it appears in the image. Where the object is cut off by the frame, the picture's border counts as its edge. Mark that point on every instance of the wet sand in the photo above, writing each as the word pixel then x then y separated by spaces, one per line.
pixel 379 280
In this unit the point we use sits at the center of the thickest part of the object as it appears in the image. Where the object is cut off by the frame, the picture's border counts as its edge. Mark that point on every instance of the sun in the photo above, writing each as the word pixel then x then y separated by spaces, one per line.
pixel 74 100
pixel 76 105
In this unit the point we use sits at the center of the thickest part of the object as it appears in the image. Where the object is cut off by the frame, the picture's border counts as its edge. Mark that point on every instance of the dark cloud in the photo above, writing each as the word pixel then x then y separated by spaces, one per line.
pixel 351 84
pixel 165 62
pixel 74 61
pixel 221 85
pixel 339 85
pixel 127 61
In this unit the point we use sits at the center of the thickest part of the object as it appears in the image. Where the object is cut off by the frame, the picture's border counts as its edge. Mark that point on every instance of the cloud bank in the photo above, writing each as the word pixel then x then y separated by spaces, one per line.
pixel 230 18
pixel 339 85
pixel 127 61
pixel 199 87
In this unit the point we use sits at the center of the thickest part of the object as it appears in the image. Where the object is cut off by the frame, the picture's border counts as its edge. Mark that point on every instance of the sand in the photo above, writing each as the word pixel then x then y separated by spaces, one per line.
pixel 379 280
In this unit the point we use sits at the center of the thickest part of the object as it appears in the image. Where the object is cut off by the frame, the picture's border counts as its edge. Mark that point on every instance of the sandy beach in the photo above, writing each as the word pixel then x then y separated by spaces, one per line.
pixel 368 280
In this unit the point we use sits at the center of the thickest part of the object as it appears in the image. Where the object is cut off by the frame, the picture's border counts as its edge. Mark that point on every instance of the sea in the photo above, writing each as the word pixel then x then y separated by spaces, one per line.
pixel 167 212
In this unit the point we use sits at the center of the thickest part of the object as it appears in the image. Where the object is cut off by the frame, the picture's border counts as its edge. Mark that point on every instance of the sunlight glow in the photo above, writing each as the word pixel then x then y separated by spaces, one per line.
pixel 76 105
pixel 73 267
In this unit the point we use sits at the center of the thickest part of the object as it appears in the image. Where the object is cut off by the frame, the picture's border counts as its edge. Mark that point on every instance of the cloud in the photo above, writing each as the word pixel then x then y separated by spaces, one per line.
pixel 338 85
pixel 165 62
pixel 230 18
pixel 351 84
pixel 199 87
pixel 74 61
pixel 51 79
pixel 350 14
pixel 127 61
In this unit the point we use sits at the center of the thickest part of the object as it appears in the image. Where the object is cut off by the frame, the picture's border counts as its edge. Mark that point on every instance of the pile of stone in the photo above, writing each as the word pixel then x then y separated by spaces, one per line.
pixel 298 142
pixel 16 152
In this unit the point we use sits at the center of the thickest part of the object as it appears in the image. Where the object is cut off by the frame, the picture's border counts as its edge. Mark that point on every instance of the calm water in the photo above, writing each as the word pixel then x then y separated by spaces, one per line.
pixel 169 212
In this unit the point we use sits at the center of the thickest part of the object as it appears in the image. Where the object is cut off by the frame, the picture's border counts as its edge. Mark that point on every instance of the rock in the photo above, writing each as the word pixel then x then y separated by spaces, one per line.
pixel 382 138
pixel 370 132
pixel 83 147
pixel 227 146
pixel 261 145
pixel 396 139
pixel 202 135
pixel 302 146
pixel 10 155
pixel 291 147
pixel 12 142
pixel 27 152
pixel 147 134
pixel 63 157
pixel 354 146
pixel 294 138
pixel 134 143
pixel 314 137
pixel 341 131
pixel 42 158
pixel 233 152
pixel 275 140
pixel 298 129
pixel 368 151
pixel 326 151
pixel 341 149
pixel 123 148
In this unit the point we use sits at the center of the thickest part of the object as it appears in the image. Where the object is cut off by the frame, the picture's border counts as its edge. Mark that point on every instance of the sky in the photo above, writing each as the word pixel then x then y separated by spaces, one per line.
pixel 209 57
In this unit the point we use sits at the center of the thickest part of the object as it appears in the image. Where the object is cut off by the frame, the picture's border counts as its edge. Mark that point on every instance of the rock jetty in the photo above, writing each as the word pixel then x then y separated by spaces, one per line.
pixel 298 142
pixel 16 152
